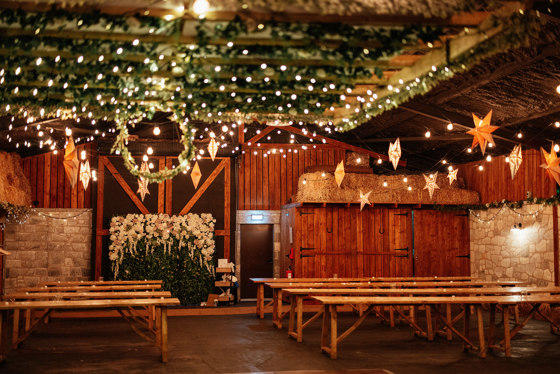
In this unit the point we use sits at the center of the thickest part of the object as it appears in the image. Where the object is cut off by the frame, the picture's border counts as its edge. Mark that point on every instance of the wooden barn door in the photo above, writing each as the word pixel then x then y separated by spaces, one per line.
pixel 441 241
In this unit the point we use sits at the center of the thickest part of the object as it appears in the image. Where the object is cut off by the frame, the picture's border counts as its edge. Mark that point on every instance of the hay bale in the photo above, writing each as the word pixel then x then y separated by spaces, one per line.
pixel 323 189
pixel 14 185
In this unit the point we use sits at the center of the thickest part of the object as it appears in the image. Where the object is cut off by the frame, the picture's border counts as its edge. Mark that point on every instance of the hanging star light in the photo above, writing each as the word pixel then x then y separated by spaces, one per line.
pixel 452 175
pixel 395 152
pixel 142 183
pixel 213 148
pixel 364 199
pixel 196 175
pixel 431 183
pixel 552 165
pixel 71 163
pixel 515 160
pixel 482 131
pixel 85 174
pixel 339 173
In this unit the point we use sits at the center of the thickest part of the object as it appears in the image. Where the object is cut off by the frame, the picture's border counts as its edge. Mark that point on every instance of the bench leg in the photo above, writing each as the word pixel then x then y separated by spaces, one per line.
pixel 491 326
pixel 467 326
pixel 15 331
pixel 480 324
pixel 291 322
pixel 507 342
pixel 260 300
pixel 299 315
pixel 163 316
pixel 334 332
pixel 429 323
pixel 325 328
pixel 449 318
pixel 274 305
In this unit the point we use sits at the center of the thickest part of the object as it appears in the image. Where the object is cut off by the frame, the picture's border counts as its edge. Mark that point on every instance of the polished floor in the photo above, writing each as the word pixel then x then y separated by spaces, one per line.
pixel 245 344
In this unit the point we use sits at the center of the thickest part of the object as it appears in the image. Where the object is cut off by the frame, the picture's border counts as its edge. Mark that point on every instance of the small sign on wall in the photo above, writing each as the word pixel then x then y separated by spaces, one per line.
pixel 291 235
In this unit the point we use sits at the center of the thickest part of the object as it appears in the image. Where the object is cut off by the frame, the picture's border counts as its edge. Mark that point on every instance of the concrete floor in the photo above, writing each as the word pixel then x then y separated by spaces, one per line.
pixel 245 344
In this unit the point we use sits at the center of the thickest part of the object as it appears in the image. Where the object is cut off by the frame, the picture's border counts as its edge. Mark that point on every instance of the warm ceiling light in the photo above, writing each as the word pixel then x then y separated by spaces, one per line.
pixel 68 131
pixel 557 124
pixel 480 167
pixel 150 150
pixel 558 89
pixel 556 148
pixel 201 7
pixel 168 17
pixel 157 131
pixel 449 126
pixel 488 158
pixel 428 134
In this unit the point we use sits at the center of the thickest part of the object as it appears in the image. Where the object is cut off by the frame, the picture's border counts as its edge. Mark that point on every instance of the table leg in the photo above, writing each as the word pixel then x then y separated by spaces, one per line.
pixel 480 323
pixel 466 326
pixel 15 331
pixel 27 320
pixel 158 327
pixel 260 300
pixel 325 328
pixel 279 309
pixel 492 326
pixel 299 319
pixel 334 332
pixel 507 342
pixel 429 322
pixel 163 334
pixel 291 322
pixel 412 317
pixel 391 316
pixel 274 305
pixel 449 317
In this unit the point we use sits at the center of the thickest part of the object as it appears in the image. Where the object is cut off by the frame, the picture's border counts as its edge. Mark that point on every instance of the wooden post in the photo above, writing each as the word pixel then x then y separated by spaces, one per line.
pixel 99 223
pixel 555 244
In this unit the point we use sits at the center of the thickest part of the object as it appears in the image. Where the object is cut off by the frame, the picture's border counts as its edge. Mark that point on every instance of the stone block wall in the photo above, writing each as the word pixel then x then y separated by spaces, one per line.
pixel 498 253
pixel 54 244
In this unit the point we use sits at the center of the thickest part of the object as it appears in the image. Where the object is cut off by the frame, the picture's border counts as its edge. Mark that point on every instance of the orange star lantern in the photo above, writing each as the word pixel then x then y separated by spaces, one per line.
pixel 482 131
pixel 552 165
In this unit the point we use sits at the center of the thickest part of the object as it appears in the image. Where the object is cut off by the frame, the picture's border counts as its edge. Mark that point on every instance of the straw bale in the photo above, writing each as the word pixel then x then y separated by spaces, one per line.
pixel 357 159
pixel 14 185
pixel 323 189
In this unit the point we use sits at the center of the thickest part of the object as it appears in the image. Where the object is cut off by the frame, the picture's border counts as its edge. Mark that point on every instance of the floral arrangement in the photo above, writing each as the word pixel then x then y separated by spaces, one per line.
pixel 179 250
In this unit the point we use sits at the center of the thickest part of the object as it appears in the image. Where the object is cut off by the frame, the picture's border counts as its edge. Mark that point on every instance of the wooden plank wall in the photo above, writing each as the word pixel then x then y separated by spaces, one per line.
pixel 266 182
pixel 494 183
pixel 50 187
pixel 344 241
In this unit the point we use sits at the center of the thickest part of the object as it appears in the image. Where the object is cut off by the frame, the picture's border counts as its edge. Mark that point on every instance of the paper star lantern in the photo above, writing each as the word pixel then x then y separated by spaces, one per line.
pixel 515 160
pixel 142 183
pixel 196 175
pixel 339 173
pixel 552 164
pixel 364 199
pixel 395 152
pixel 482 131
pixel 431 183
pixel 213 148
pixel 85 174
pixel 71 163
pixel 452 175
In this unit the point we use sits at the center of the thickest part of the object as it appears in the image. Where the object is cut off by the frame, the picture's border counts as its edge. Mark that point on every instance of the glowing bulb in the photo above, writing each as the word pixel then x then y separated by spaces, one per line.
pixel 379 161
pixel 150 150
pixel 405 179
pixel 201 7
pixel 145 158
pixel 449 126
pixel 428 134
pixel 68 131
pixel 385 184
pixel 83 155
pixel 157 131
pixel 557 124
pixel 488 158
pixel 450 168
pixel 409 188
pixel 556 148
pixel 480 167
pixel 558 89
pixel 519 135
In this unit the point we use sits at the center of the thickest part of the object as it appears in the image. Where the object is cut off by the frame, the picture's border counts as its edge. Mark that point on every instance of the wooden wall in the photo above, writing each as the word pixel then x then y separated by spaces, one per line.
pixel 494 183
pixel 341 240
pixel 267 183
pixel 50 187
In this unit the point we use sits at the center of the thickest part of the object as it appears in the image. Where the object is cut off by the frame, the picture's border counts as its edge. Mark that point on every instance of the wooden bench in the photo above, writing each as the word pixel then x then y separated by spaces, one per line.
pixel 260 282
pixel 277 288
pixel 92 287
pixel 125 306
pixel 297 295
pixel 330 337
pixel 93 283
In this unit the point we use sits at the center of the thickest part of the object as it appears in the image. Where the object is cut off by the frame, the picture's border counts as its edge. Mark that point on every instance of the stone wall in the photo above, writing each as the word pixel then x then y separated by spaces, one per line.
pixel 500 253
pixel 54 244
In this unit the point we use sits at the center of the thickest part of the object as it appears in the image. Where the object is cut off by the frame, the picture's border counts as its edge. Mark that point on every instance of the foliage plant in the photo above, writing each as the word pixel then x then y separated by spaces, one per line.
pixel 179 250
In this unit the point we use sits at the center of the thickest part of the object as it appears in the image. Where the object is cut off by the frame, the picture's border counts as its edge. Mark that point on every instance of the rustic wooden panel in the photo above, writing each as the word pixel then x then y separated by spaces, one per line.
pixel 49 185
pixel 494 183
pixel 268 181
pixel 439 238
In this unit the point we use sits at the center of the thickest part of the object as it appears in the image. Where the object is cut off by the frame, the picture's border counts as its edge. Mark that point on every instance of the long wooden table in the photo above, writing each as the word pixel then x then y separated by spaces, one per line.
pixel 93 283
pixel 330 337
pixel 260 282
pixel 128 299
pixel 278 287
pixel 297 295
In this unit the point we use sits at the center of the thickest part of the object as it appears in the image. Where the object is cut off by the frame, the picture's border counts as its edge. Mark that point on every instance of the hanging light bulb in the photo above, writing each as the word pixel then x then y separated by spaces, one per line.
pixel 68 131
pixel 201 7
pixel 150 150
pixel 157 131
pixel 83 155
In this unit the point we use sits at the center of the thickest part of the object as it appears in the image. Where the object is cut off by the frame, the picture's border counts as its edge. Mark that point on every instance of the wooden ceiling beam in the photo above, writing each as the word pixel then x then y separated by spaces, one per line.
pixel 147 9
pixel 416 139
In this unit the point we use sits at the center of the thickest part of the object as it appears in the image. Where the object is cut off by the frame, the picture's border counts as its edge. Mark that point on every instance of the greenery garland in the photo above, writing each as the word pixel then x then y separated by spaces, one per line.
pixel 14 213
pixel 553 200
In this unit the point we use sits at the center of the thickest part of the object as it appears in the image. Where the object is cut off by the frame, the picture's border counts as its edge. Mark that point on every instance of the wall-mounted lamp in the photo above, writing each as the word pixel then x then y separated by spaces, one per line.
pixel 257 217
pixel 517 226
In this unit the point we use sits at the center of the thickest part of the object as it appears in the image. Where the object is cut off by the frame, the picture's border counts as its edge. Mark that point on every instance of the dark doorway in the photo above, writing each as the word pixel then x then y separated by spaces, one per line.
pixel 256 257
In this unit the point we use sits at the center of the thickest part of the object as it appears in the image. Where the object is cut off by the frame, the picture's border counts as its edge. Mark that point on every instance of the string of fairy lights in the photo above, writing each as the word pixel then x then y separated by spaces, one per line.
pixel 534 214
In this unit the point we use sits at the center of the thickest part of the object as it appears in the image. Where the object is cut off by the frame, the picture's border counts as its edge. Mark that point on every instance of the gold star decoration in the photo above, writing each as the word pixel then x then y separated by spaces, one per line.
pixel 431 183
pixel 85 174
pixel 143 183
pixel 364 200
pixel 482 131
pixel 196 175
pixel 395 152
pixel 552 164
pixel 71 163
pixel 515 160
pixel 452 175
pixel 213 148
pixel 339 173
